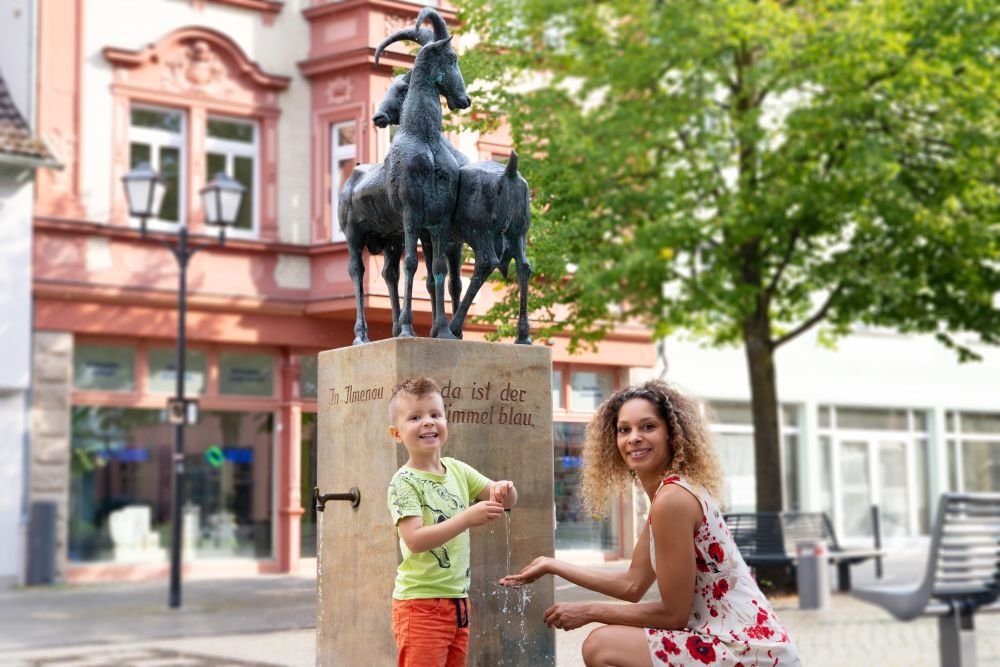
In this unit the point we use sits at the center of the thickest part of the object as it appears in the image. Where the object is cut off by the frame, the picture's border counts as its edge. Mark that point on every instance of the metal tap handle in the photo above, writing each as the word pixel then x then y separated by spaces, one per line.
pixel 354 495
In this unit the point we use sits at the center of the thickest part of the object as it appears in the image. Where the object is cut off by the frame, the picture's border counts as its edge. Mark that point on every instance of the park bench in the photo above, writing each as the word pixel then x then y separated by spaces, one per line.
pixel 771 538
pixel 962 573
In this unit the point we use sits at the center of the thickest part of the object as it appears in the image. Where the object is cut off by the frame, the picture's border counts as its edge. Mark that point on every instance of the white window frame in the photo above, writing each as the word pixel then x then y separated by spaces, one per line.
pixel 157 139
pixel 338 152
pixel 232 149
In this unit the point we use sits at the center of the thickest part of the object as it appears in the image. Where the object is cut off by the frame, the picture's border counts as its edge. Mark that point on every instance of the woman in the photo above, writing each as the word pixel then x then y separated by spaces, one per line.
pixel 710 610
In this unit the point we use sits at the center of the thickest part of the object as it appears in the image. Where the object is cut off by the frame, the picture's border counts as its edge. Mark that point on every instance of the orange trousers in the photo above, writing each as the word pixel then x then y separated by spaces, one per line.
pixel 431 632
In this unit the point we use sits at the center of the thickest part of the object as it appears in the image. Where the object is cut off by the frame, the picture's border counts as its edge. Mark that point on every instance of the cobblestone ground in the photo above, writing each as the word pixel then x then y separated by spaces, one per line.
pixel 267 622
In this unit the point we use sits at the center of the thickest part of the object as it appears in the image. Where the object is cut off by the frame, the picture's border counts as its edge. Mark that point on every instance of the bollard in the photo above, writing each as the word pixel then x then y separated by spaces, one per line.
pixel 813 576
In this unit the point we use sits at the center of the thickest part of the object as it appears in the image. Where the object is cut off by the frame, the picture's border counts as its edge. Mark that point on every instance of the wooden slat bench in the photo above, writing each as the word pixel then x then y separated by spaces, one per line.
pixel 770 538
pixel 962 575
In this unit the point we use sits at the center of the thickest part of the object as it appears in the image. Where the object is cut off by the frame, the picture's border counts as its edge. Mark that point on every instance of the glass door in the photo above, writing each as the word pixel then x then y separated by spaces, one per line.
pixel 875 470
pixel 856 488
pixel 892 495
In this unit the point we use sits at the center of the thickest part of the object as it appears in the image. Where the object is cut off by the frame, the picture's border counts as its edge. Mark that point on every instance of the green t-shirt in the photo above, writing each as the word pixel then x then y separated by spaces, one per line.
pixel 442 572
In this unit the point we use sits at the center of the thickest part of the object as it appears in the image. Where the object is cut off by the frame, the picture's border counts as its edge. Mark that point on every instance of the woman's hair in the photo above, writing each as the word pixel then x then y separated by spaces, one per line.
pixel 605 473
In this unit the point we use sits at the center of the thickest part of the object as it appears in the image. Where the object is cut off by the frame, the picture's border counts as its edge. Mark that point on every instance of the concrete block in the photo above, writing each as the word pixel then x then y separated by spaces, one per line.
pixel 499 403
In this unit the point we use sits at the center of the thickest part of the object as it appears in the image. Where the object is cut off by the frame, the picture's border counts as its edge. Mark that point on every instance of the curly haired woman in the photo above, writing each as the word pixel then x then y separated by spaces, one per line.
pixel 710 610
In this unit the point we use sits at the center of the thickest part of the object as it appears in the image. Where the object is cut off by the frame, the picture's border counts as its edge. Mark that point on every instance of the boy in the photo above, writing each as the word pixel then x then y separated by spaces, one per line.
pixel 433 504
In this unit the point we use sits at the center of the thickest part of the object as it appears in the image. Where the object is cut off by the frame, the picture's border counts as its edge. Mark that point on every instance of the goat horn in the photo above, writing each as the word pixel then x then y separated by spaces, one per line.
pixel 412 34
pixel 440 27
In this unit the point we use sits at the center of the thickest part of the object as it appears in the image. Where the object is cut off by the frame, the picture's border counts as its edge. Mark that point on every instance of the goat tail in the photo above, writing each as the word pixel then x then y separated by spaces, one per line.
pixel 511 169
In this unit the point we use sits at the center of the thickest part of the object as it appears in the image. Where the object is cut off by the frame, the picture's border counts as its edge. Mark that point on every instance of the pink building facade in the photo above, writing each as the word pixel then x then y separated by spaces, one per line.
pixel 278 95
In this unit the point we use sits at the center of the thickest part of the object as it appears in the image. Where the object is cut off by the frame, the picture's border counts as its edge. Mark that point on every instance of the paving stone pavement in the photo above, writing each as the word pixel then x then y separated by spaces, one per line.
pixel 268 622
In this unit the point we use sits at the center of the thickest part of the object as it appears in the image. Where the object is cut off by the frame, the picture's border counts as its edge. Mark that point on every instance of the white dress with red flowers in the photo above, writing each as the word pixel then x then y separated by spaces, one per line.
pixel 731 622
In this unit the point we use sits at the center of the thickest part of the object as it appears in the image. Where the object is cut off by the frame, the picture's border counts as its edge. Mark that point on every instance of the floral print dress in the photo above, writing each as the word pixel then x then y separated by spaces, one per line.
pixel 731 622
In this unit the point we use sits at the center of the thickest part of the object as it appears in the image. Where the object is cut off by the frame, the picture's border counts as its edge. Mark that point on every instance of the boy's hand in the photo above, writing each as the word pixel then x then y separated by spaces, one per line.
pixel 483 512
pixel 500 490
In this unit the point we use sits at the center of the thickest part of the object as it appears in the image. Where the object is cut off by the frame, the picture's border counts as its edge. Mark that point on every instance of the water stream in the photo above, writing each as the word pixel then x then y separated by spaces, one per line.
pixel 513 605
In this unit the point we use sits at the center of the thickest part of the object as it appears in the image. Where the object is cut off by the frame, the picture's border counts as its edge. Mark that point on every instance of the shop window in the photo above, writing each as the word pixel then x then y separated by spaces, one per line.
pixel 343 157
pixel 231 146
pixel 308 376
pixel 120 500
pixel 588 389
pixel 104 368
pixel 162 365
pixel 575 527
pixel 308 480
pixel 157 136
pixel 246 374
pixel 557 390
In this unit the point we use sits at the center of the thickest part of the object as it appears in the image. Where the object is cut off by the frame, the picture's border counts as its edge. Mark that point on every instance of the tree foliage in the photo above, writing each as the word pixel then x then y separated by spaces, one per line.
pixel 831 159
pixel 745 170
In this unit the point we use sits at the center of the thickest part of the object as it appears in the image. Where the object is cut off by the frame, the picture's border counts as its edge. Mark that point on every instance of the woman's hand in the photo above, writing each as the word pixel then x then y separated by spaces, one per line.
pixel 537 568
pixel 567 615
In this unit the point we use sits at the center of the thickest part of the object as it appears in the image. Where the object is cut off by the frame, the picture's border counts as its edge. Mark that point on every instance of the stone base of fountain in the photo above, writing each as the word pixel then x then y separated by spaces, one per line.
pixel 499 403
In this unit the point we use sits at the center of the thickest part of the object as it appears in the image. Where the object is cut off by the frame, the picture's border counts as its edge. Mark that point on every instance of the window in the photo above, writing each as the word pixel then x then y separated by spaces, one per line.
pixel 308 376
pixel 557 389
pixel 163 371
pixel 231 147
pixel 120 506
pixel 732 435
pixel 974 453
pixel 157 136
pixel 104 368
pixel 575 527
pixel 246 374
pixel 588 389
pixel 343 157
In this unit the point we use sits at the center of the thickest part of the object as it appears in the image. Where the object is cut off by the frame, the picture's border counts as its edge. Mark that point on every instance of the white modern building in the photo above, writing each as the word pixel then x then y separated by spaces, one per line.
pixel 20 155
pixel 882 419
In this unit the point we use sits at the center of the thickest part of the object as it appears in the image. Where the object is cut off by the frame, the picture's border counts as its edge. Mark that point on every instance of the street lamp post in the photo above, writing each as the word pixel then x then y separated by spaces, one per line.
pixel 144 190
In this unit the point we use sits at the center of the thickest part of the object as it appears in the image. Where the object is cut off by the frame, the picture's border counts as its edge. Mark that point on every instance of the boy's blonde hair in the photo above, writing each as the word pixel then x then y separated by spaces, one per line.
pixel 606 474
pixel 419 387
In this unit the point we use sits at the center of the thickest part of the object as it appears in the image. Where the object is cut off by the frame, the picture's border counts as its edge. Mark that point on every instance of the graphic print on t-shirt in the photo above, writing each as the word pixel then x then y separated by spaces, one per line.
pixel 417 496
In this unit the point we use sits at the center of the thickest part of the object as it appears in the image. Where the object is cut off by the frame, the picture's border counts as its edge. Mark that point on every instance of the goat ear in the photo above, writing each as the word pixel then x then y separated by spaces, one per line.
pixel 441 43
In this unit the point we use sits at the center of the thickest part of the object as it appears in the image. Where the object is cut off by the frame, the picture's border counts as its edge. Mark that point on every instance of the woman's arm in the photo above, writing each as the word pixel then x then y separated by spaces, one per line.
pixel 629 585
pixel 676 516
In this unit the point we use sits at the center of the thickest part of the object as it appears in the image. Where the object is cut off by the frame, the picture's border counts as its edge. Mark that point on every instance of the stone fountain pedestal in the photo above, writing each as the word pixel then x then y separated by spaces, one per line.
pixel 499 400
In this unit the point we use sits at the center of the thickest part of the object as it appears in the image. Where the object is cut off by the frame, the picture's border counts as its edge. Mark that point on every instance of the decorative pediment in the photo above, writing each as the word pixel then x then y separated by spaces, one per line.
pixel 196 61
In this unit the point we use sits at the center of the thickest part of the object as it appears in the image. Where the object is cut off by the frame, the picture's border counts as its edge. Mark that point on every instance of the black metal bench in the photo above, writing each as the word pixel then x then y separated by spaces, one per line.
pixel 962 576
pixel 770 538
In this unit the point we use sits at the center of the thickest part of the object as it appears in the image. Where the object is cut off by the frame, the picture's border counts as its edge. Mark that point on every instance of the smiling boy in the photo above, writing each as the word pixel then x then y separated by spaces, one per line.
pixel 432 500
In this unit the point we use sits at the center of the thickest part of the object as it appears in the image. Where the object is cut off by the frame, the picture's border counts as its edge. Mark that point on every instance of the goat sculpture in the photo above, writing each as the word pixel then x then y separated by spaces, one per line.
pixel 369 221
pixel 492 214
pixel 421 174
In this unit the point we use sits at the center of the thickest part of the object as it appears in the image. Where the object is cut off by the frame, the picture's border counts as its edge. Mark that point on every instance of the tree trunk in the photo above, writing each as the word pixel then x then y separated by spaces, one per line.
pixel 764 405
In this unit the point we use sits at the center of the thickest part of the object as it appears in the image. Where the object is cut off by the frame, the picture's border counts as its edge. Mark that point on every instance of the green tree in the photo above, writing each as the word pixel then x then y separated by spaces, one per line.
pixel 747 170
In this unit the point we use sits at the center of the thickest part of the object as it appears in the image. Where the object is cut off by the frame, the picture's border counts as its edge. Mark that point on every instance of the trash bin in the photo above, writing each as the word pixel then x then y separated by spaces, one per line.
pixel 813 576
pixel 42 521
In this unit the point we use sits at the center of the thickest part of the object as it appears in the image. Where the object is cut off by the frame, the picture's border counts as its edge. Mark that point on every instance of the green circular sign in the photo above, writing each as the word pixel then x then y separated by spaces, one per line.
pixel 214 456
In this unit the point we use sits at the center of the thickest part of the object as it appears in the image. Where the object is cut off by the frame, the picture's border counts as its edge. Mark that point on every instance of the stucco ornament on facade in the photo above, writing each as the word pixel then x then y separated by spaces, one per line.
pixel 339 91
pixel 198 69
